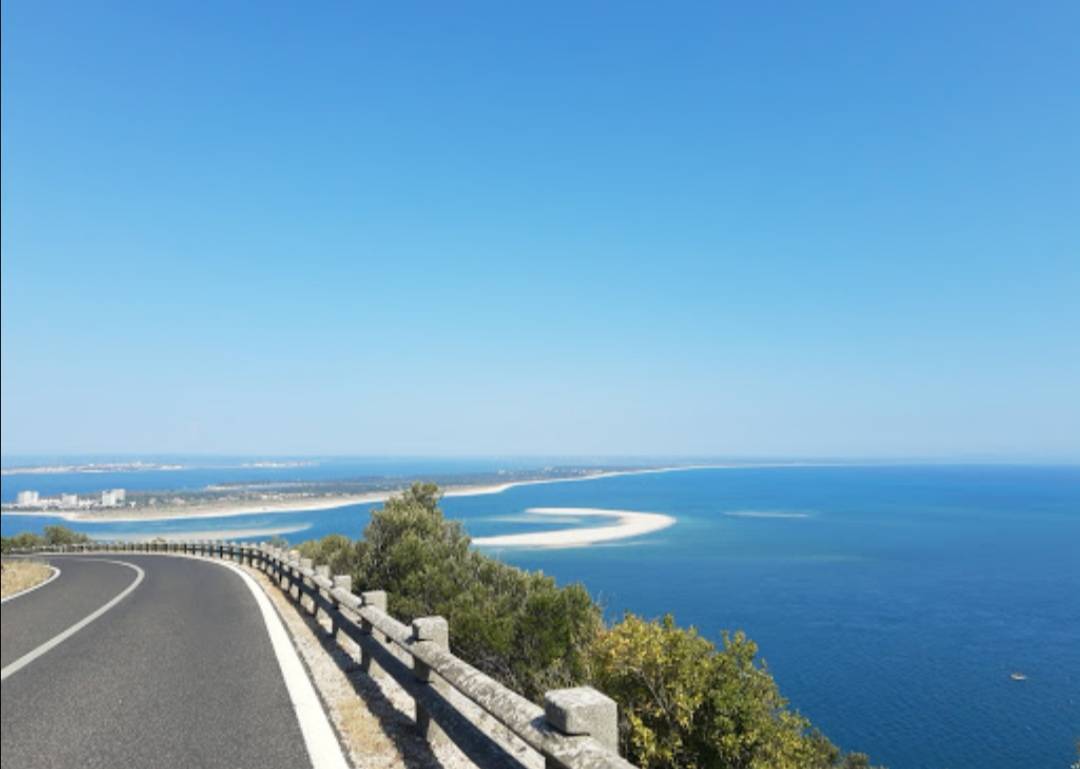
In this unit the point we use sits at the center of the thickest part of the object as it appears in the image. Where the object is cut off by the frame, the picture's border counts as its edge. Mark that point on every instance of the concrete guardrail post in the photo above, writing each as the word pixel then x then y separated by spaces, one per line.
pixel 583 711
pixel 306 584
pixel 377 600
pixel 280 567
pixel 341 582
pixel 324 572
pixel 435 631
pixel 292 572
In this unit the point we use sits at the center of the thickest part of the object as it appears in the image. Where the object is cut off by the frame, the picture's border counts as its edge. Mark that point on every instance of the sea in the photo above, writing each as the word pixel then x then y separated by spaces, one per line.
pixel 892 603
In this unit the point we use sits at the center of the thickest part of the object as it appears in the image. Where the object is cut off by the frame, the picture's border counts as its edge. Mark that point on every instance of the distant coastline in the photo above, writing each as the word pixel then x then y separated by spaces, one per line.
pixel 306 503
pixel 97 468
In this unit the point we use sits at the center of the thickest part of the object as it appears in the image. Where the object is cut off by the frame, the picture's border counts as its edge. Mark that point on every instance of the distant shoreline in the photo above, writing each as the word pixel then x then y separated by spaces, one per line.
pixel 299 505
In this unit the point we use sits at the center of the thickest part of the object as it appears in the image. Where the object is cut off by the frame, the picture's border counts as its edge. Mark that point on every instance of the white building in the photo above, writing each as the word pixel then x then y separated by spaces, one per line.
pixel 27 498
pixel 69 500
pixel 108 499
pixel 120 494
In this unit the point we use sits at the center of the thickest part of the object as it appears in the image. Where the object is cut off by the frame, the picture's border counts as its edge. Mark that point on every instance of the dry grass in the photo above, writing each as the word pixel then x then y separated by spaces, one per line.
pixel 21 575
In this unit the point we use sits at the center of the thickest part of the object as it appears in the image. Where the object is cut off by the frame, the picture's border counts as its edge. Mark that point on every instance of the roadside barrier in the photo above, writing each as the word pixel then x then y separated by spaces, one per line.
pixel 575 729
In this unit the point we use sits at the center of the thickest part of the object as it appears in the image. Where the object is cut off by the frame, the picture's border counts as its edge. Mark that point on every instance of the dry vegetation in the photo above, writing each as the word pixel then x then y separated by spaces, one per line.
pixel 22 575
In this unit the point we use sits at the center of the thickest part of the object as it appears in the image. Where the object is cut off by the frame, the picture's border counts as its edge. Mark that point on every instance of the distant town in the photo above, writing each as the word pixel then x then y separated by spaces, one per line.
pixel 33 500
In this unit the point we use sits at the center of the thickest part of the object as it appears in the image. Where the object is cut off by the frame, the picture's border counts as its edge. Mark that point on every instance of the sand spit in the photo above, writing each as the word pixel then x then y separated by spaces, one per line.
pixel 628 523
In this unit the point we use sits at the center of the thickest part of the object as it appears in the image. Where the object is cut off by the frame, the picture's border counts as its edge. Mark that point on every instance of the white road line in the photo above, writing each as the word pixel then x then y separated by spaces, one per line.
pixel 54 575
pixel 29 657
pixel 321 742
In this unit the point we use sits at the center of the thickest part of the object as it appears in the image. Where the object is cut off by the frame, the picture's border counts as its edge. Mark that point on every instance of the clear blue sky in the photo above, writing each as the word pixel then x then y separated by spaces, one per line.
pixel 842 229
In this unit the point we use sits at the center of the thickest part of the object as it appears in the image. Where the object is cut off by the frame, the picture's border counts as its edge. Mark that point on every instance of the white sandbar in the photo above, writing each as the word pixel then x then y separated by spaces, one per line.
pixel 628 524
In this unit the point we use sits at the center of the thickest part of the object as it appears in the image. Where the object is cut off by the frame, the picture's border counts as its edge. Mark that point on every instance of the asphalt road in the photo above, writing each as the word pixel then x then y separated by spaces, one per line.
pixel 181 672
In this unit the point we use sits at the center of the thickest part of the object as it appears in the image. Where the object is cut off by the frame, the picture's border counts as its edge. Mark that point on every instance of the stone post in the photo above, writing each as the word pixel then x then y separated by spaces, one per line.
pixel 583 711
pixel 324 573
pixel 341 582
pixel 295 578
pixel 434 631
pixel 377 600
pixel 305 563
pixel 285 570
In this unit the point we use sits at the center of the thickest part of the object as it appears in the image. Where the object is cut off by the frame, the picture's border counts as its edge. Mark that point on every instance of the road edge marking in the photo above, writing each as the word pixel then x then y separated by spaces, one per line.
pixel 54 575
pixel 58 639
pixel 320 739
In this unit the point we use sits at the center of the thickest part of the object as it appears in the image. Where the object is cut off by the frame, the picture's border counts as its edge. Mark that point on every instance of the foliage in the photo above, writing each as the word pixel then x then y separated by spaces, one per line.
pixel 53 536
pixel 685 703
pixel 516 626
pixel 61 535
pixel 336 551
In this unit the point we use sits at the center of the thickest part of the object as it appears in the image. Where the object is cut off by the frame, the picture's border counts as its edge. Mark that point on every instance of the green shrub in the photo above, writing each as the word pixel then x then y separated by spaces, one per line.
pixel 53 536
pixel 336 551
pixel 684 703
pixel 61 535
pixel 518 627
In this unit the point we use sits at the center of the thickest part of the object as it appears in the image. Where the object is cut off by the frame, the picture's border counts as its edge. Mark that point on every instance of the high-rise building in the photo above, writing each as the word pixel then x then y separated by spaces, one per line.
pixel 27 498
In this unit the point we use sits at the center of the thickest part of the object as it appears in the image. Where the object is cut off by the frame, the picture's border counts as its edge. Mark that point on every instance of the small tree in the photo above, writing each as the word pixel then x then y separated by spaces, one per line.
pixel 61 535
pixel 518 627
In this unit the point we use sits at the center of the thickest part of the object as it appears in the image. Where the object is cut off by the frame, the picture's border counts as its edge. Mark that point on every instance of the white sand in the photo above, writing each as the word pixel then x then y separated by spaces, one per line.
pixel 628 524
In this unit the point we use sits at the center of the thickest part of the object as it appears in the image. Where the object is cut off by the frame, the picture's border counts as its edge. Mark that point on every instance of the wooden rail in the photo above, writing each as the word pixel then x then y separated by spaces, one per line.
pixel 575 729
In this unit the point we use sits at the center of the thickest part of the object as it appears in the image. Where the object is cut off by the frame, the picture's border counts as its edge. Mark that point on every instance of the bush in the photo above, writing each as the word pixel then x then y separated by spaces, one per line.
pixel 336 551
pixel 685 703
pixel 53 536
pixel 517 627
pixel 61 535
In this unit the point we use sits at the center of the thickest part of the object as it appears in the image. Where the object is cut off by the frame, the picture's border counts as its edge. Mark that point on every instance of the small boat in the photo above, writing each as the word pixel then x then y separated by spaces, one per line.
pixel 1018 676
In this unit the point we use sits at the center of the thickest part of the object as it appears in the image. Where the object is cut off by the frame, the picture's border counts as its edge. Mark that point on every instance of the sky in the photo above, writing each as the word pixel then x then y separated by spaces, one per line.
pixel 719 229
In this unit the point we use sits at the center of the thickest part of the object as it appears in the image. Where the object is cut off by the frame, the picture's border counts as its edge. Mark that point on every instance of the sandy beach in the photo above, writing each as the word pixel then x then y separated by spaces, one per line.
pixel 628 523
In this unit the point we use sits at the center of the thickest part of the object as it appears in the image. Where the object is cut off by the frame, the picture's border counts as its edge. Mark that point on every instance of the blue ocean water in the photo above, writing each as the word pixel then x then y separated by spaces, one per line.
pixel 891 603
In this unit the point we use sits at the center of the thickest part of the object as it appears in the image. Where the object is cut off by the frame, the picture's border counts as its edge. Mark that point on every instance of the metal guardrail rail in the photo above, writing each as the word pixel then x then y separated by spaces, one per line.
pixel 575 729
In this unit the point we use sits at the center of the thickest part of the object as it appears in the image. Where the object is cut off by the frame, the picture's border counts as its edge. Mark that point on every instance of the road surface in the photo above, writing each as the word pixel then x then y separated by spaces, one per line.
pixel 178 671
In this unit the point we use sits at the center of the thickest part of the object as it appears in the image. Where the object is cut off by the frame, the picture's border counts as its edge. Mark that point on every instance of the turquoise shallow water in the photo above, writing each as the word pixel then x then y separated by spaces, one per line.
pixel 891 609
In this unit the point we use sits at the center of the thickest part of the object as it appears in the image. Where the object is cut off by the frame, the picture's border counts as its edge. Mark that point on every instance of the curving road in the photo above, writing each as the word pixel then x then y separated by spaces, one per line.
pixel 180 671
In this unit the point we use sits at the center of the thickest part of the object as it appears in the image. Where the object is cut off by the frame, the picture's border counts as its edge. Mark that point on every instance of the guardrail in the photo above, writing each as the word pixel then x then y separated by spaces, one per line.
pixel 575 729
